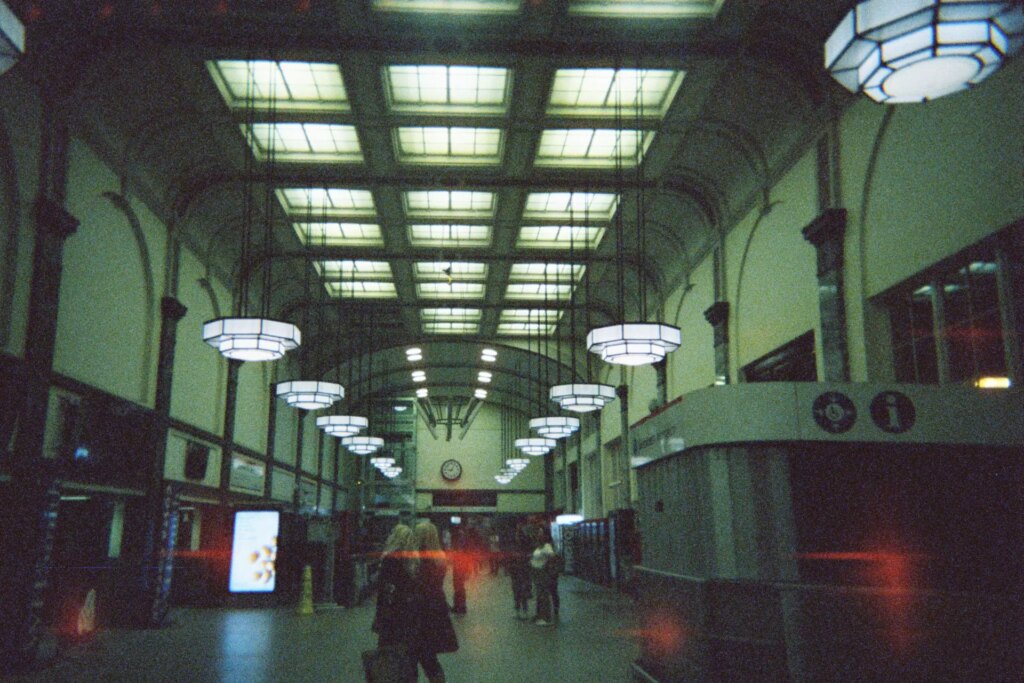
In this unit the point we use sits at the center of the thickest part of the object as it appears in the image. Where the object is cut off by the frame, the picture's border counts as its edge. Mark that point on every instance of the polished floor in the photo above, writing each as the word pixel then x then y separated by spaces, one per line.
pixel 592 643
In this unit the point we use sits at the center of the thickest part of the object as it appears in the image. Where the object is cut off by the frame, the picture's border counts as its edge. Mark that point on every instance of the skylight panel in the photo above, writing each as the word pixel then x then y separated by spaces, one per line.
pixel 536 291
pixel 449 203
pixel 544 315
pixel 607 92
pixel 450 270
pixel 298 142
pixel 285 86
pixel 333 202
pixel 361 289
pixel 559 237
pixel 451 327
pixel 554 272
pixel 448 89
pixel 339 234
pixel 450 290
pixel 519 328
pixel 449 6
pixel 592 147
pixel 449 235
pixel 450 314
pixel 652 9
pixel 565 205
pixel 366 270
pixel 448 145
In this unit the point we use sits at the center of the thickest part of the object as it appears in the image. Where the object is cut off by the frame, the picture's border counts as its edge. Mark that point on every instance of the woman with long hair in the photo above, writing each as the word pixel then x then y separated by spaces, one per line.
pixel 397 589
pixel 435 631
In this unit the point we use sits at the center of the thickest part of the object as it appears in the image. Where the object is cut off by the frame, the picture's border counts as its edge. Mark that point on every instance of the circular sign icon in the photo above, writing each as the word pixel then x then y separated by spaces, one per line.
pixel 893 412
pixel 834 412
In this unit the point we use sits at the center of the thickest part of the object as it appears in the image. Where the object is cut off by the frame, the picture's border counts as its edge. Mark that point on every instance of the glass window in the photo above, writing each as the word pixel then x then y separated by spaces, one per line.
pixel 449 235
pixel 650 9
pixel 304 142
pixel 339 234
pixel 592 147
pixel 559 237
pixel 607 92
pixel 448 145
pixel 333 202
pixel 361 289
pixel 449 6
pixel 287 86
pixel 449 203
pixel 594 206
pixel 448 89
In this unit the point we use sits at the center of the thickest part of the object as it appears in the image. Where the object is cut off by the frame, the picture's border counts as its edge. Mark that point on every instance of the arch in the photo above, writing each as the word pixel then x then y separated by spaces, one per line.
pixel 122 204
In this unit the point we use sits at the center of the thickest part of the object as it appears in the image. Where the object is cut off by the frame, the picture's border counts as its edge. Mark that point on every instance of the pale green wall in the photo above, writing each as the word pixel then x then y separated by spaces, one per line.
pixel 254 396
pixel 692 366
pixel 103 338
pixel 310 443
pixel 480 455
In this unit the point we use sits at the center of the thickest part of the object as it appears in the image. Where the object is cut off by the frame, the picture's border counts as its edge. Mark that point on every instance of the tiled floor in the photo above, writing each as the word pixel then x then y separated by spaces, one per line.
pixel 592 643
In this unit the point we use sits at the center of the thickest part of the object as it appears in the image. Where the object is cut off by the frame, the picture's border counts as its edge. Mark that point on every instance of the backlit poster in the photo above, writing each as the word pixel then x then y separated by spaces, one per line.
pixel 254 551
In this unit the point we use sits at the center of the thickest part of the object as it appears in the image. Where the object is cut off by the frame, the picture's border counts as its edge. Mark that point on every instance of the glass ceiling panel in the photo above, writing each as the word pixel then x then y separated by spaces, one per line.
pixel 339 234
pixel 298 142
pixel 592 147
pixel 288 86
pixel 536 315
pixel 564 205
pixel 370 270
pixel 538 291
pixel 449 204
pixel 447 89
pixel 598 92
pixel 449 314
pixel 450 290
pixel 525 328
pixel 449 6
pixel 334 202
pixel 705 9
pixel 451 327
pixel 559 237
pixel 361 289
pixel 448 145
pixel 450 270
pixel 449 235
pixel 555 272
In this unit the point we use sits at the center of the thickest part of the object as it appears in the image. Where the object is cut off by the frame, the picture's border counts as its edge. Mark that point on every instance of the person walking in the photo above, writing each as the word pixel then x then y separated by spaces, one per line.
pixel 518 568
pixel 397 604
pixel 461 566
pixel 435 633
pixel 542 552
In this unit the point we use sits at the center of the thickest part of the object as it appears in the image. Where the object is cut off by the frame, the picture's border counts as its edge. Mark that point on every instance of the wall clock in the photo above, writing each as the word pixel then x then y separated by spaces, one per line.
pixel 451 469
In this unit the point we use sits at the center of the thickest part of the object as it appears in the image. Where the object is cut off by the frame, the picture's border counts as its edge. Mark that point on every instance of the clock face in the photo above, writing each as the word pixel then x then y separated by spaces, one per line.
pixel 451 470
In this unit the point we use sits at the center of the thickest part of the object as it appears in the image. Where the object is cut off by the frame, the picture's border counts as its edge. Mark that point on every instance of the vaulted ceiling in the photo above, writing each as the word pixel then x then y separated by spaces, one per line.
pixel 449 174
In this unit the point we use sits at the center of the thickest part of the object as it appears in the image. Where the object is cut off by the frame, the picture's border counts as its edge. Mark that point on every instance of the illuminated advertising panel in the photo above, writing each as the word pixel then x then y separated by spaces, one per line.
pixel 254 551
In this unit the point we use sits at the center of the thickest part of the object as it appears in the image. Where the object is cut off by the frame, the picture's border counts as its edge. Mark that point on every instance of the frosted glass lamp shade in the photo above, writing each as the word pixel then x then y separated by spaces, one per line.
pixel 342 425
pixel 12 38
pixel 634 343
pixel 381 462
pixel 251 339
pixel 556 427
pixel 516 464
pixel 897 51
pixel 535 445
pixel 362 445
pixel 310 395
pixel 582 398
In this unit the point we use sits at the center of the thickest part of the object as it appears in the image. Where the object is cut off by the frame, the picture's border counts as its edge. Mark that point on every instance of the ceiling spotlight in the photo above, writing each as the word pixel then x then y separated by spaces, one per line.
pixel 480 394
pixel 413 354
pixel 419 376
pixel 422 392
pixel 916 50
pixel 483 376
pixel 488 355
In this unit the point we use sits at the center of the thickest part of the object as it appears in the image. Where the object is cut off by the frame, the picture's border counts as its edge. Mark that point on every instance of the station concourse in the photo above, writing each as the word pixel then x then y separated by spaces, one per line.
pixel 726 296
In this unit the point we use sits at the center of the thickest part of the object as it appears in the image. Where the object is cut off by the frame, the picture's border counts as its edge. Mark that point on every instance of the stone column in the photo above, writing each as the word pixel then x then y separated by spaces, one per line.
pixel 624 445
pixel 28 539
pixel 162 502
pixel 230 405
pixel 717 316
pixel 826 233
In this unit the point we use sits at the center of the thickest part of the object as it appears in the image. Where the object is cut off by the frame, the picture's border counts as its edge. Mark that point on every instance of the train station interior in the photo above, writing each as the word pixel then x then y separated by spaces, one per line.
pixel 727 296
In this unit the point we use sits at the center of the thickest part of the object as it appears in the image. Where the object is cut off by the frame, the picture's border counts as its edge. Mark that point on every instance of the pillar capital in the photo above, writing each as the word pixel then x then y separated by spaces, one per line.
pixel 717 313
pixel 54 219
pixel 172 309
pixel 829 226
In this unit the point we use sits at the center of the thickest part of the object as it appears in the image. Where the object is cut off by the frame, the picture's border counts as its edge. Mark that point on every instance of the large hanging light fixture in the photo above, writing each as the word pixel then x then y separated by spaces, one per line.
pixel 535 445
pixel 362 445
pixel 897 51
pixel 365 444
pixel 260 338
pixel 12 38
pixel 343 425
pixel 581 397
pixel 632 343
pixel 554 426
pixel 309 394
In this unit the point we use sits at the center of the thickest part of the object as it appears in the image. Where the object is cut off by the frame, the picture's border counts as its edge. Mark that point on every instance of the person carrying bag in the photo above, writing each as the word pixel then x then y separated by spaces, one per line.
pixel 395 621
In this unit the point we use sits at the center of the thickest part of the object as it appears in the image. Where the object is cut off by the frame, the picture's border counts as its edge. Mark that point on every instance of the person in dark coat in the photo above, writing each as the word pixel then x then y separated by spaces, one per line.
pixel 435 633
pixel 461 567
pixel 397 590
pixel 518 567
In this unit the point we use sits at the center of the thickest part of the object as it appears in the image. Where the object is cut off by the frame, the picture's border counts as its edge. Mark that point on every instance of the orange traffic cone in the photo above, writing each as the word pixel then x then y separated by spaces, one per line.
pixel 306 601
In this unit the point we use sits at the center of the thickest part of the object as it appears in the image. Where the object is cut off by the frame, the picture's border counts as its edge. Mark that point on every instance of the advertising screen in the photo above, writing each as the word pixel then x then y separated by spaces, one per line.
pixel 254 551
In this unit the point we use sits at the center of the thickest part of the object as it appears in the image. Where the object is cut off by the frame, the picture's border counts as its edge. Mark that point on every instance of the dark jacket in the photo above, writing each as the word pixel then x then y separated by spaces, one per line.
pixel 397 603
pixel 436 633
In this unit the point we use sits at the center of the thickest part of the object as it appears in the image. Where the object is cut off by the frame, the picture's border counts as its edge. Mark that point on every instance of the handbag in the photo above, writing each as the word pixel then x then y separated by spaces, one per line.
pixel 389 664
